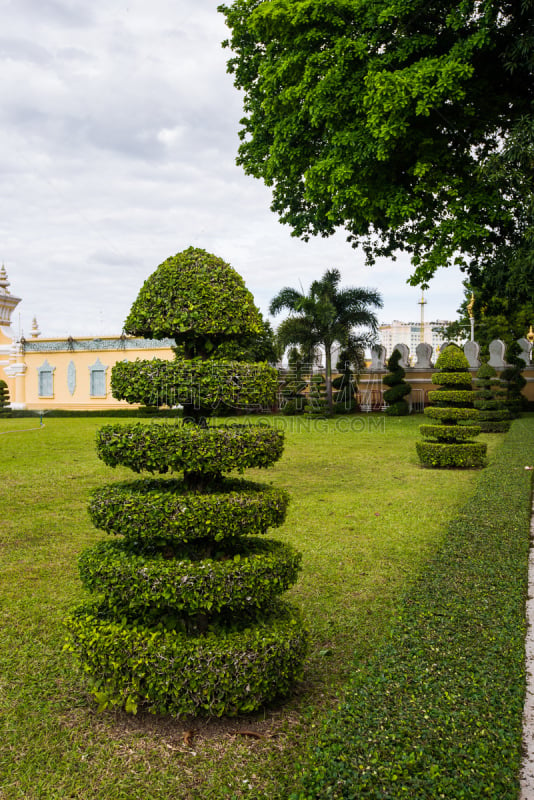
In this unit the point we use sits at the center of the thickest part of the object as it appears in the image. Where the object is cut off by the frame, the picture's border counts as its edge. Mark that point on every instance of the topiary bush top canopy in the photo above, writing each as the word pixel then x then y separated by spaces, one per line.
pixel 452 359
pixel 195 298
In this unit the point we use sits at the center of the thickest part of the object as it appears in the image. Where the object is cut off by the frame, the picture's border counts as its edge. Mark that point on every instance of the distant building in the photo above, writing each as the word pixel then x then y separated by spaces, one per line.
pixel 409 333
pixel 65 373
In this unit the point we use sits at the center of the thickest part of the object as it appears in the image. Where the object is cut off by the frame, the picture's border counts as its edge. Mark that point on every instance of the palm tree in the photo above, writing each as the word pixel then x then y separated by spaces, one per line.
pixel 327 315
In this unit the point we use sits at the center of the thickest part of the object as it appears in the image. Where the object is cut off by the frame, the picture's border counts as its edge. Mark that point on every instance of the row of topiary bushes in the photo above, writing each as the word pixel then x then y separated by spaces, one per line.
pixel 437 711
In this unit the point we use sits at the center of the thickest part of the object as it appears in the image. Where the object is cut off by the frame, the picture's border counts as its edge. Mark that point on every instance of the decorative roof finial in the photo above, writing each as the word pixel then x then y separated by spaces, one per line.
pixel 4 283
pixel 530 335
pixel 35 332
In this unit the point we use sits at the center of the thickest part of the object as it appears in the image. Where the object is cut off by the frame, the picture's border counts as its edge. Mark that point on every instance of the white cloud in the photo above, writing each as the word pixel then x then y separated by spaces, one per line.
pixel 118 137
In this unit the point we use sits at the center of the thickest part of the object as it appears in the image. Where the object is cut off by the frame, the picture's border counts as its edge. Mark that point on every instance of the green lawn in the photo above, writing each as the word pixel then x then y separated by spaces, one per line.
pixel 364 514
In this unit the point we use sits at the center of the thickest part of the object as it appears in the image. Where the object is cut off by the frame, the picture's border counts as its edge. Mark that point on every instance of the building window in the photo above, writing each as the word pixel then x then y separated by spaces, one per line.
pixel 71 377
pixel 97 376
pixel 46 380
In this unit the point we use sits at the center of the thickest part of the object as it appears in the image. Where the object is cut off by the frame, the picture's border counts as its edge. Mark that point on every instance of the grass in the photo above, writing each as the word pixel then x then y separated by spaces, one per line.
pixel 436 712
pixel 364 514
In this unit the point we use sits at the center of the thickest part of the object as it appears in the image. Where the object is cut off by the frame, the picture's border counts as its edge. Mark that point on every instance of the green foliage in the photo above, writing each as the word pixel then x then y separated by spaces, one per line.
pixel 493 417
pixel 253 348
pixel 165 511
pixel 453 454
pixel 451 414
pixel 4 397
pixel 450 433
pixel 459 380
pixel 451 446
pixel 437 711
pixel 451 397
pixel 317 401
pixel 493 425
pixel 198 300
pixel 452 359
pixel 504 282
pixel 186 600
pixel 163 447
pixel 240 577
pixel 513 381
pixel 394 396
pixel 229 672
pixel 345 385
pixel 326 315
pixel 293 385
pixel 388 119
pixel 200 383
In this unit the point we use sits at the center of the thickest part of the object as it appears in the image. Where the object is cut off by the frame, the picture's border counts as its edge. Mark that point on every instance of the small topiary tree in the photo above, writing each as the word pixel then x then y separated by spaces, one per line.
pixel 394 396
pixel 450 436
pixel 4 398
pixel 293 397
pixel 492 416
pixel 187 616
pixel 317 401
pixel 513 381
pixel 345 386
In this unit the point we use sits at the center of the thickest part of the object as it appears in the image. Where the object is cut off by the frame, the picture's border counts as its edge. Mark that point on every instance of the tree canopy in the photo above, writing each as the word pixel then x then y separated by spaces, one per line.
pixel 397 121
pixel 325 315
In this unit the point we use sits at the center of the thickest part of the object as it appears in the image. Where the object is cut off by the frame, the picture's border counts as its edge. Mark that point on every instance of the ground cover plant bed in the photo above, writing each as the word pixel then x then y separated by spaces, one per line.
pixel 436 712
pixel 359 513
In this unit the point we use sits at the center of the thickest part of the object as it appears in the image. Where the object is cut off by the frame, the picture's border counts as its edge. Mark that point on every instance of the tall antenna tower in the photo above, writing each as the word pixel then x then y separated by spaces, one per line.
pixel 422 303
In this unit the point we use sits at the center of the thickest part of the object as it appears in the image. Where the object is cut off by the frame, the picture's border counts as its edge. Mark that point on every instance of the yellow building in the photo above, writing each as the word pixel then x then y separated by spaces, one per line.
pixel 64 373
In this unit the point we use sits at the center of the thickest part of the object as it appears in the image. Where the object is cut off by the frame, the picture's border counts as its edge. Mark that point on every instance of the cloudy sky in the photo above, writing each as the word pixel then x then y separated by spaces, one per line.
pixel 118 137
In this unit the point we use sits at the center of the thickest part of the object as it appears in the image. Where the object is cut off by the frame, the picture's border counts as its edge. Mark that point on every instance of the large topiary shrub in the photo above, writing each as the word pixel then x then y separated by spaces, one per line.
pixel 449 437
pixel 186 615
pixel 493 417
pixel 398 388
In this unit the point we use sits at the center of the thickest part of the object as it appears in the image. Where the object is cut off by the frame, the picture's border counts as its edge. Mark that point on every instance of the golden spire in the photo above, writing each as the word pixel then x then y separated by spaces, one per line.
pixel 471 305
pixel 530 335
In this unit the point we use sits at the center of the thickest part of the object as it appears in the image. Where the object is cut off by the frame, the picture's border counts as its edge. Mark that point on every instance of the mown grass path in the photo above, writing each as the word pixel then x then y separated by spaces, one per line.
pixel 366 517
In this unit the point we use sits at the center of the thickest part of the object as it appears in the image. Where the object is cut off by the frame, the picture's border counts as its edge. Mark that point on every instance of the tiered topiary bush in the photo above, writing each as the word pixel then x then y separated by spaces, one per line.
pixel 187 616
pixel 317 403
pixel 394 396
pixel 293 397
pixel 513 381
pixel 492 417
pixel 4 398
pixel 345 386
pixel 451 433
